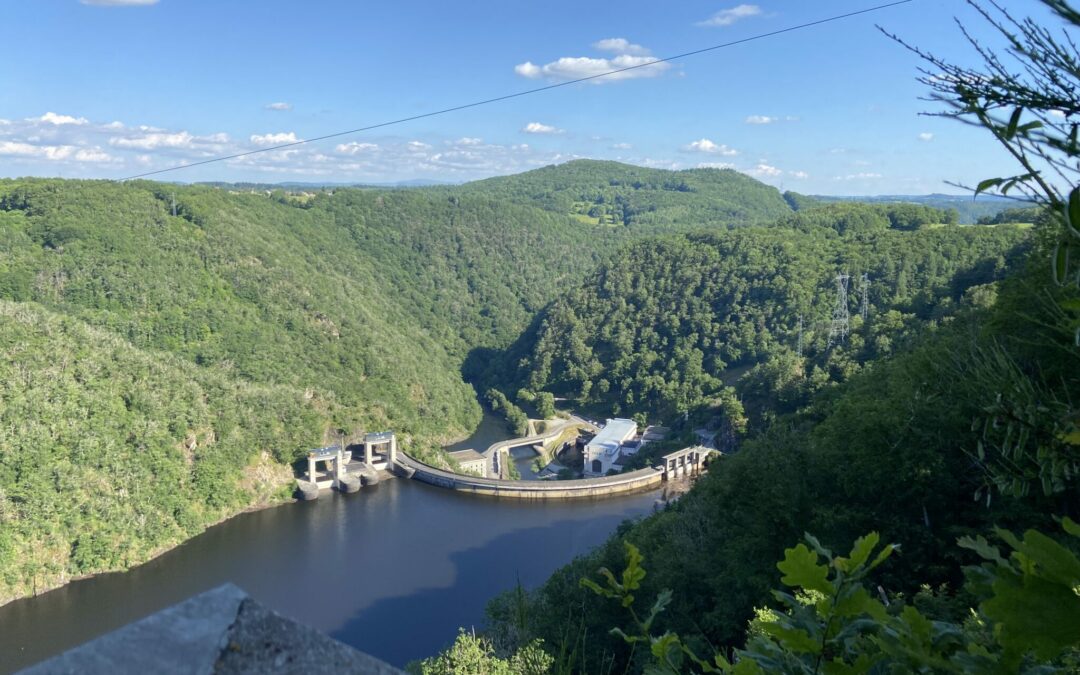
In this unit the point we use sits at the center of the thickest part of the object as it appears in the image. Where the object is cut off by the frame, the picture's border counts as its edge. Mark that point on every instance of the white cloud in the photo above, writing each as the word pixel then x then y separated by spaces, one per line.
pixel 798 174
pixel 705 145
pixel 577 67
pixel 760 119
pixel 468 140
pixel 275 139
pixel 864 175
pixel 659 163
pixel 60 120
pixel 529 70
pixel 726 17
pixel 538 128
pixel 93 155
pixel 55 152
pixel 153 141
pixel 280 106
pixel 18 149
pixel 355 148
pixel 417 146
pixel 621 146
pixel 926 136
pixel 763 170
pixel 1060 114
pixel 119 3
pixel 620 46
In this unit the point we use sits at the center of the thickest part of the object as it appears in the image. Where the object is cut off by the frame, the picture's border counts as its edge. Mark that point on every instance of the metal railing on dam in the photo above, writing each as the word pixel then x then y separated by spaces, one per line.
pixel 642 479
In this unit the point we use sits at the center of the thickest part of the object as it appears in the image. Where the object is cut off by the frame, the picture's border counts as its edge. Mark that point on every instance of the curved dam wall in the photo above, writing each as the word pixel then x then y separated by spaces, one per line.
pixel 642 479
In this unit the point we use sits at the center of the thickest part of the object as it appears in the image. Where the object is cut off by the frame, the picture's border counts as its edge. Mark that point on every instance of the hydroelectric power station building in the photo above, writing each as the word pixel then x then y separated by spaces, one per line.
pixel 603 450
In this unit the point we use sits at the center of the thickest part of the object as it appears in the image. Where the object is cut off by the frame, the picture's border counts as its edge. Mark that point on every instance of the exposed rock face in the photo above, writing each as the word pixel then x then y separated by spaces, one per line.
pixel 220 631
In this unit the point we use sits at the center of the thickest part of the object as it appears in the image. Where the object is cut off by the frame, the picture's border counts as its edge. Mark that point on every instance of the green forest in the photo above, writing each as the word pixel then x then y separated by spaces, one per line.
pixel 670 322
pixel 348 310
pixel 937 441
pixel 880 378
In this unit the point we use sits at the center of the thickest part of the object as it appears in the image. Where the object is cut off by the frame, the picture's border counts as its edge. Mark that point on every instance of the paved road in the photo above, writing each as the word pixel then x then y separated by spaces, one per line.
pixel 541 438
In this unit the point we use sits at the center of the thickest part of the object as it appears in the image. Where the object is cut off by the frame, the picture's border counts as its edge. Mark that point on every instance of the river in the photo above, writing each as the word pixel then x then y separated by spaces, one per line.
pixel 393 570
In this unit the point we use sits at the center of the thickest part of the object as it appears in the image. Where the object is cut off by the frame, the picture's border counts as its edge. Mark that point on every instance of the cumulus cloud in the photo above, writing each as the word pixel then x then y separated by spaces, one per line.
pixel 152 138
pixel 726 17
pixel 153 141
pixel 620 46
pixel 863 175
pixel 621 146
pixel 627 55
pixel 355 148
pixel 577 67
pixel 1060 114
pixel 760 119
pixel 798 174
pixel 926 136
pixel 119 3
pixel 763 170
pixel 538 128
pixel 60 120
pixel 280 106
pixel 38 145
pixel 707 146
pixel 275 139
pixel 54 152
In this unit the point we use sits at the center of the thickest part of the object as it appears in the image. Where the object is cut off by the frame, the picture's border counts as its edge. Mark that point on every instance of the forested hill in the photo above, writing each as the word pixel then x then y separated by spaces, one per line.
pixel 892 450
pixel 661 328
pixel 621 195
pixel 282 319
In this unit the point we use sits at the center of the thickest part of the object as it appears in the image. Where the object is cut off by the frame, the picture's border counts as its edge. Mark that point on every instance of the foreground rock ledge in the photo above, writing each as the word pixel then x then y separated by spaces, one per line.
pixel 220 631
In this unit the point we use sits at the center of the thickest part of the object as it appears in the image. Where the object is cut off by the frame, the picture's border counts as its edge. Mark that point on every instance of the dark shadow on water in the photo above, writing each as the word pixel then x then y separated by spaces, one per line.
pixel 421 624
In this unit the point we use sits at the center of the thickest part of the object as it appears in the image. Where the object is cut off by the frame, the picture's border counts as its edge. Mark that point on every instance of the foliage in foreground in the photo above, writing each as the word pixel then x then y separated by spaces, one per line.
pixel 474 655
pixel 1028 616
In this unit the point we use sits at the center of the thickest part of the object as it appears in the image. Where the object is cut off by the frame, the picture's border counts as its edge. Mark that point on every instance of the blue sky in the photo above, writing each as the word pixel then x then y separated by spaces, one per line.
pixel 111 88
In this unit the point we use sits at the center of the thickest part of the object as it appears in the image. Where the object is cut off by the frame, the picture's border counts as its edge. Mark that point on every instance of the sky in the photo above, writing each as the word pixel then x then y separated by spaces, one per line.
pixel 113 88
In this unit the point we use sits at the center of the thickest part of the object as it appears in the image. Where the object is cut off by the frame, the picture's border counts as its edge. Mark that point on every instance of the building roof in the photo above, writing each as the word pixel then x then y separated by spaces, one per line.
pixel 467 456
pixel 324 453
pixel 613 434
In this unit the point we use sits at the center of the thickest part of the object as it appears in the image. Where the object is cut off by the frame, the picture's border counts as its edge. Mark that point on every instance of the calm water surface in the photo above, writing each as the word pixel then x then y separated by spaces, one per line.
pixel 392 570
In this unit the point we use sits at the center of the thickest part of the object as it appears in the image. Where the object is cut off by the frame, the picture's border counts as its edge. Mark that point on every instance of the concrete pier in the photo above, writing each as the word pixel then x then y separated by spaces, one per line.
pixel 343 473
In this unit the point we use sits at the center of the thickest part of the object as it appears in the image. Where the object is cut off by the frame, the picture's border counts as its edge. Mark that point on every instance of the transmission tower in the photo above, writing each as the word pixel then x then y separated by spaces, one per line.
pixel 864 292
pixel 838 327
pixel 798 347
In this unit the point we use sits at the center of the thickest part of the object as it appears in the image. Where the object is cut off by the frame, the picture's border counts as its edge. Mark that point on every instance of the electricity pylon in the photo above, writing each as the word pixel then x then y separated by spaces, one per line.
pixel 838 327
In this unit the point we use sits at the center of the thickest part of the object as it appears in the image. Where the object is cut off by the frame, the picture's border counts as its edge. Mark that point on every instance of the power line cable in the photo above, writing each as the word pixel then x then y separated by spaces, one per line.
pixel 526 92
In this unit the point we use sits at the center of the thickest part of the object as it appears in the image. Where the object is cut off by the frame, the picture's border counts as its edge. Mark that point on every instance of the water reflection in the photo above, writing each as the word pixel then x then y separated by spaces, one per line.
pixel 393 570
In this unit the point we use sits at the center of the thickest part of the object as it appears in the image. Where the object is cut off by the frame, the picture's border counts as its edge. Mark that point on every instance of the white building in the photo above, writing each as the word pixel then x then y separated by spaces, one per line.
pixel 472 462
pixel 602 451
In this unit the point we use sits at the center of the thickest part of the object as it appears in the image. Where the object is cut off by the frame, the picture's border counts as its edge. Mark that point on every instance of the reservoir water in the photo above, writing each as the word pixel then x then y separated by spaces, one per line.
pixel 393 570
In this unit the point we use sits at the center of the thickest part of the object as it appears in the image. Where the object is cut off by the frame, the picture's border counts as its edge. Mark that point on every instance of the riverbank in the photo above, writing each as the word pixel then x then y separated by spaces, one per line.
pixel 50 585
